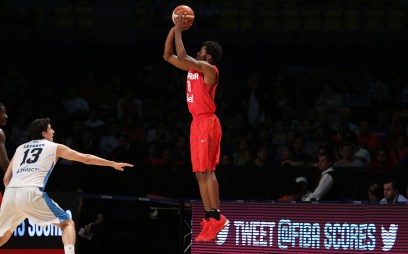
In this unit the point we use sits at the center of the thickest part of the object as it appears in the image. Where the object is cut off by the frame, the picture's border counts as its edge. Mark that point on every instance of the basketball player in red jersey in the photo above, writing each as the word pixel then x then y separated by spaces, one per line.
pixel 4 160
pixel 205 131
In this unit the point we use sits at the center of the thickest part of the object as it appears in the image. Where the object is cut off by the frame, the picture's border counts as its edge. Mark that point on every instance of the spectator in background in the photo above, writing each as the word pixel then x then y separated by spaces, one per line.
pixel 397 129
pixel 399 153
pixel 366 138
pixel 129 104
pixel 94 121
pixel 299 157
pixel 345 117
pixel 75 106
pixel 224 175
pixel 255 101
pixel 375 192
pixel 235 129
pixel 260 161
pixel 75 137
pixel 382 160
pixel 328 186
pixel 363 155
pixel 123 151
pixel 278 99
pixel 391 192
pixel 341 135
pixel 328 104
pixel 226 161
pixel 381 127
pixel 305 130
pixel 166 157
pixel 108 139
pixel 293 192
pixel 320 150
pixel 18 131
pixel 318 140
pixel 262 138
pixel 132 127
pixel 50 104
pixel 304 183
pixel 158 133
pixel 181 151
pixel 13 86
pixel 174 133
pixel 348 159
pixel 289 118
pixel 285 157
pixel 243 154
pixel 279 134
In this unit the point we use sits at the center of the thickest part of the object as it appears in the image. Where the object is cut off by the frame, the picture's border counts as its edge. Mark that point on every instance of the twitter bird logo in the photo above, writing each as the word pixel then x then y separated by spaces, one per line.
pixel 389 236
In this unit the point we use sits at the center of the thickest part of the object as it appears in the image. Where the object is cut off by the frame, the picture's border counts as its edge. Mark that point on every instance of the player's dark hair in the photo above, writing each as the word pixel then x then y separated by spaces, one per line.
pixel 214 49
pixel 2 105
pixel 38 126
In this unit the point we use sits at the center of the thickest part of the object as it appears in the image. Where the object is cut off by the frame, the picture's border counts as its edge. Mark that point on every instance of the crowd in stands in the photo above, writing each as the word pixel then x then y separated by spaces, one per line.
pixel 144 120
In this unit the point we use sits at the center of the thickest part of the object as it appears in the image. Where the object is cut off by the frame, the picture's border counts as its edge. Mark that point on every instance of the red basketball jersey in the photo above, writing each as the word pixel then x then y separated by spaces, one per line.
pixel 200 96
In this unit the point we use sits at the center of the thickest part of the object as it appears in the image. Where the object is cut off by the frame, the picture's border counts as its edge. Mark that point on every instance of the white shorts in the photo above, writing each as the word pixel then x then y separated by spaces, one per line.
pixel 28 202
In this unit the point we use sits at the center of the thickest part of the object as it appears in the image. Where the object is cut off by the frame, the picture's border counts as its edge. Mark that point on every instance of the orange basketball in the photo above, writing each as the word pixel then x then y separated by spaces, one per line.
pixel 181 10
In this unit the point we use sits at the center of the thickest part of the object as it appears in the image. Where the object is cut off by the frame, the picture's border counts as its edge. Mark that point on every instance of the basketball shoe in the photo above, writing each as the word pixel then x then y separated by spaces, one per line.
pixel 205 225
pixel 215 227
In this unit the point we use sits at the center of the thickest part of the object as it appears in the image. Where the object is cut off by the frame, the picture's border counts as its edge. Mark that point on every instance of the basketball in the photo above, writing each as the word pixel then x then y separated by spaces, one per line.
pixel 181 10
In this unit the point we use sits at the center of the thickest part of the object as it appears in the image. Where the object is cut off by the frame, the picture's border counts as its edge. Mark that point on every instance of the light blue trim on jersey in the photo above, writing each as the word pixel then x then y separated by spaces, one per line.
pixel 47 176
pixel 57 211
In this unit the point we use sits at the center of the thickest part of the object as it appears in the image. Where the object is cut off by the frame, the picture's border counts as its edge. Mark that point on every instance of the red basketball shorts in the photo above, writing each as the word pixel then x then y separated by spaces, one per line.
pixel 205 138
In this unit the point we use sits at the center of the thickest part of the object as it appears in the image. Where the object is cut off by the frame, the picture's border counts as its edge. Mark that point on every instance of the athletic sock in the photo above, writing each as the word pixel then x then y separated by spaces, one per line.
pixel 69 249
pixel 214 213
pixel 207 215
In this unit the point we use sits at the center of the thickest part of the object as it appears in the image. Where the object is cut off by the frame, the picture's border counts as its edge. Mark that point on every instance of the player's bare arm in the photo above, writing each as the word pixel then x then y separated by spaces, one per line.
pixel 210 75
pixel 4 161
pixel 8 175
pixel 70 154
pixel 169 55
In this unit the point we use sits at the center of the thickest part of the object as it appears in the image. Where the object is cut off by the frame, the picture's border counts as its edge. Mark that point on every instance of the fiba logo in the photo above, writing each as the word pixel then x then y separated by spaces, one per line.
pixel 389 236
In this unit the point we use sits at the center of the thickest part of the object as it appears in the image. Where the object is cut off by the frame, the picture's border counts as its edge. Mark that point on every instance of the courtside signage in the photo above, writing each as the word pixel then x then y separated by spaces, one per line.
pixel 29 238
pixel 307 228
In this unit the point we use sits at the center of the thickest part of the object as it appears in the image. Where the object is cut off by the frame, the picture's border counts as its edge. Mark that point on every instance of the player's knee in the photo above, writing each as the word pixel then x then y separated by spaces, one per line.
pixel 5 238
pixel 67 223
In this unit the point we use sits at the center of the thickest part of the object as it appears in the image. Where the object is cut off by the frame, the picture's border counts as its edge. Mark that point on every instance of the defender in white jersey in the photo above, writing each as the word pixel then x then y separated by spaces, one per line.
pixel 26 178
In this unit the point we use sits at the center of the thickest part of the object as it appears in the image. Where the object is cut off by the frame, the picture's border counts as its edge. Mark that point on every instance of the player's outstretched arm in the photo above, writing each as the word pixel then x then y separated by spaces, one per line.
pixel 70 154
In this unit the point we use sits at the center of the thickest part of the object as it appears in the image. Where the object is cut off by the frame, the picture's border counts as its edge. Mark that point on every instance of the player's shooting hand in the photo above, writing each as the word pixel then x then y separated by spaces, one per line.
pixel 179 21
pixel 120 165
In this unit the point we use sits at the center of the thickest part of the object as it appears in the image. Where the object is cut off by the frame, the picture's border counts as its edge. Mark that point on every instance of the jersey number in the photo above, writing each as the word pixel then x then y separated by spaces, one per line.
pixel 31 155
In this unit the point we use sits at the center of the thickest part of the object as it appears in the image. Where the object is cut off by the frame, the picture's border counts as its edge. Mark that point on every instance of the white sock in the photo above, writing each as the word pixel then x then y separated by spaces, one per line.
pixel 69 249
